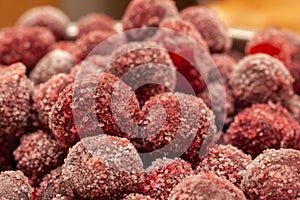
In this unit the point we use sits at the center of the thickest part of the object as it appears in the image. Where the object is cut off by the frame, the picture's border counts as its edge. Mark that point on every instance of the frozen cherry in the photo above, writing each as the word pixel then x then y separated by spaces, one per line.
pixel 264 126
pixel 146 13
pixel 209 24
pixel 53 186
pixel 15 102
pixel 144 66
pixel 274 42
pixel 260 78
pixel 24 44
pixel 46 16
pixel 184 27
pixel 88 43
pixel 173 125
pixel 185 38
pixel 273 175
pixel 71 117
pixel 53 63
pixel 38 154
pixel 14 185
pixel 281 44
pixel 103 167
pixel 163 175
pixel 226 161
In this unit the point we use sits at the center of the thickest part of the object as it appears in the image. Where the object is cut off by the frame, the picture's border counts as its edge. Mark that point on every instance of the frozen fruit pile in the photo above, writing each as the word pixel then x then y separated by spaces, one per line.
pixel 120 122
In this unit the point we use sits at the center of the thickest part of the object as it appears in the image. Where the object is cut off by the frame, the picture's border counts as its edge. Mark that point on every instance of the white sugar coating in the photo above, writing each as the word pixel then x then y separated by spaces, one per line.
pixel 103 167
pixel 159 162
pixel 112 153
pixel 226 161
pixel 260 78
pixel 54 187
pixel 15 91
pixel 24 44
pixel 178 129
pixel 14 185
pixel 55 62
pixel 206 186
pixel 147 13
pixel 210 26
pixel 140 63
pixel 273 175
pixel 135 196
pixel 98 42
pixel 163 176
pixel 37 154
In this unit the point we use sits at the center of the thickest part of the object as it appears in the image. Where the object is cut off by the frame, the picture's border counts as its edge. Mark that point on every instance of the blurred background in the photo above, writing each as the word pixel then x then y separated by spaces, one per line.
pixel 250 14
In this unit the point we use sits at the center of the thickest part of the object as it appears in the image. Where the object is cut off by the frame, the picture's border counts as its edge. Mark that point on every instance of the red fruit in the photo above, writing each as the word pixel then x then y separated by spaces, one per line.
pixel 14 185
pixel 146 67
pixel 163 175
pixel 103 167
pixel 90 41
pixel 38 154
pixel 85 109
pixel 274 42
pixel 210 26
pixel 281 44
pixel 206 186
pixel 15 91
pixel 264 126
pixel 51 64
pixel 260 78
pixel 46 16
pixel 225 161
pixel 46 95
pixel 174 125
pixel 185 38
pixel 150 13
pixel 146 13
pixel 273 175
pixel 190 80
pixel 24 44
pixel 53 186
pixel 93 22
